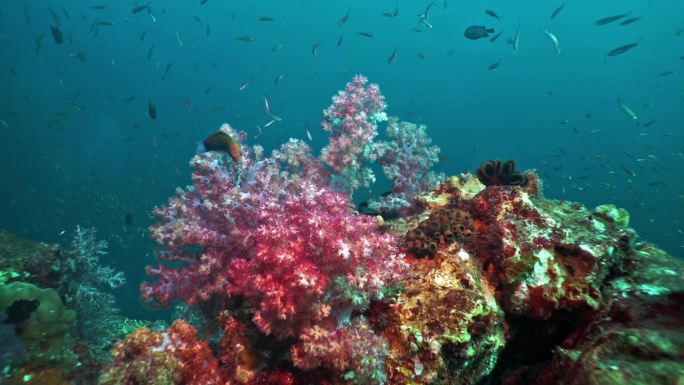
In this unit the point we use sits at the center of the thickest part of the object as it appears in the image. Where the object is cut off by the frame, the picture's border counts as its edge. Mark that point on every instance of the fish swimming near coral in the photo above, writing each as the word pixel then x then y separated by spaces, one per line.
pixel 221 142
pixel 476 32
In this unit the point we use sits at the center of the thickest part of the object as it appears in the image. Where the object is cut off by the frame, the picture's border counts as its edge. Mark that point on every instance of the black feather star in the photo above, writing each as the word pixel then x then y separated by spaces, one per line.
pixel 498 173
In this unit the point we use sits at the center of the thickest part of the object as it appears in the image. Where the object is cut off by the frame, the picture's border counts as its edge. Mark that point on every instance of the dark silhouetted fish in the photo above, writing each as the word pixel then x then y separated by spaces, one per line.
pixel 494 66
pixel 493 14
pixel 57 35
pixel 343 20
pixel 152 110
pixel 610 19
pixel 128 219
pixel 139 8
pixel 622 49
pixel 477 32
pixel 557 11
pixel 392 56
pixel 631 20
pixel 495 37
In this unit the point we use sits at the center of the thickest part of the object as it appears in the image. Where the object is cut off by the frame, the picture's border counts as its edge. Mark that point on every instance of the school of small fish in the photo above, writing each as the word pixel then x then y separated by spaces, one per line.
pixel 494 30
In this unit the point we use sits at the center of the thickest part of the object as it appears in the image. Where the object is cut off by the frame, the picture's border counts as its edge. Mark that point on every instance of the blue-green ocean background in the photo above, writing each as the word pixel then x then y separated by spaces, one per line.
pixel 74 151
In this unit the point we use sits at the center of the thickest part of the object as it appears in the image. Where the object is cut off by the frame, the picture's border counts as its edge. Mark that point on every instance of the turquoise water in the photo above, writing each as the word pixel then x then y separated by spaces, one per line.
pixel 78 149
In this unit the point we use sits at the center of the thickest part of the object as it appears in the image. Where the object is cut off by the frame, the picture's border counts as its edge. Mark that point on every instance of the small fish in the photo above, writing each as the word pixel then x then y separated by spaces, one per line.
pixel 39 43
pixel 394 13
pixel 129 99
pixel 128 219
pixel 142 35
pixel 339 41
pixel 420 55
pixel 270 114
pixel 494 66
pixel 627 170
pixel 476 32
pixel 610 19
pixel 314 49
pixel 308 132
pixel 105 23
pixel 392 56
pixel 667 73
pixel 423 18
pixel 178 39
pixel 277 47
pixel 657 184
pixel 202 2
pixel 495 37
pixel 221 142
pixel 266 18
pixel 631 20
pixel 554 40
pixel 244 85
pixel 343 20
pixel 151 110
pixel 366 34
pixel 557 11
pixel 81 56
pixel 278 79
pixel 57 35
pixel 627 110
pixel 516 40
pixel 139 8
pixel 99 7
pixel 650 122
pixel 622 49
pixel 245 38
pixel 493 14
pixel 187 105
pixel 149 52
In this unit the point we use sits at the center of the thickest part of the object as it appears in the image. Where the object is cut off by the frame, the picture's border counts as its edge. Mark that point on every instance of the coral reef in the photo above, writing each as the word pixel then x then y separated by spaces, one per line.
pixel 297 288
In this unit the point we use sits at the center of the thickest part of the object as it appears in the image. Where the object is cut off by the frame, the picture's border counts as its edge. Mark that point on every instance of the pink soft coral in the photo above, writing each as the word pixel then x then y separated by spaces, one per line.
pixel 282 240
pixel 352 122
